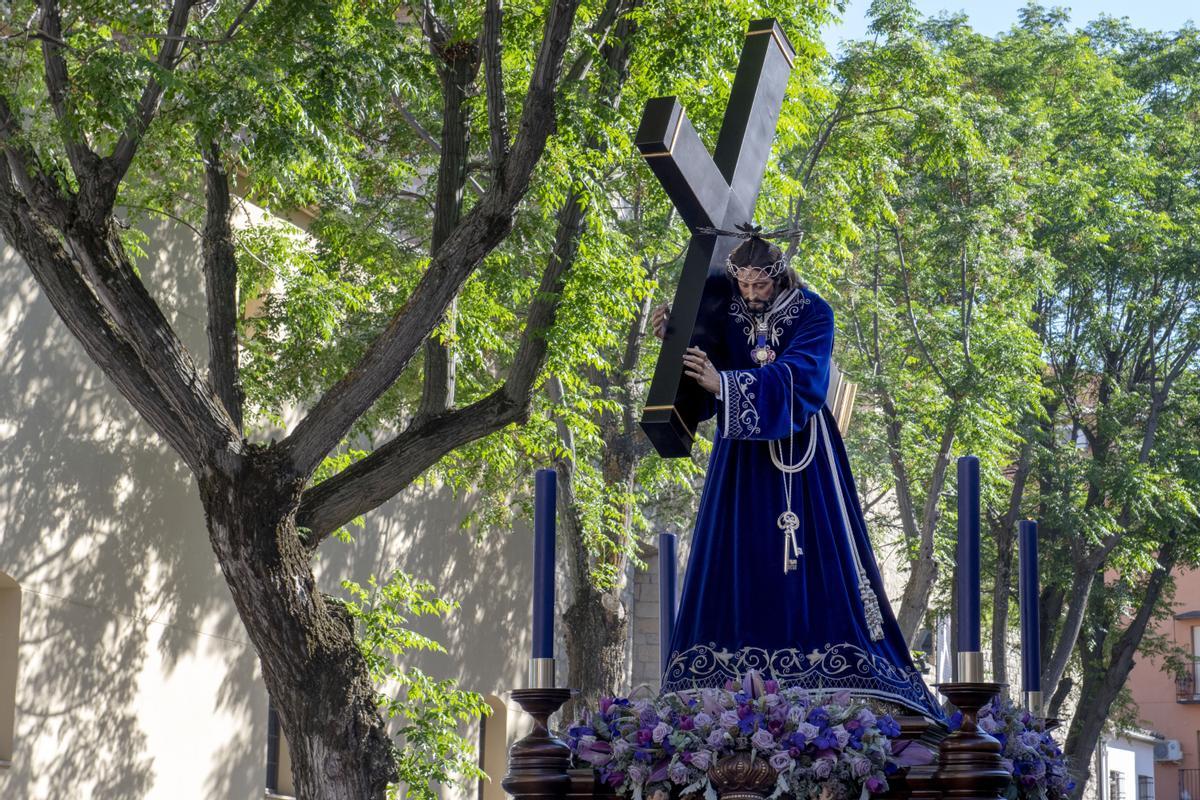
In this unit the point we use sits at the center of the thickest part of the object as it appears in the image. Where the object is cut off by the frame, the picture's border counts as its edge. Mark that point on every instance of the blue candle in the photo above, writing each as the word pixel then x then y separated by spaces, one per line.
pixel 968 555
pixel 667 567
pixel 543 563
pixel 1031 632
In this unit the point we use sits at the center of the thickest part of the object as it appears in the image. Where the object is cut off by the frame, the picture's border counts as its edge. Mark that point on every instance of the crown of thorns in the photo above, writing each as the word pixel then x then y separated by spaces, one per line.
pixel 747 230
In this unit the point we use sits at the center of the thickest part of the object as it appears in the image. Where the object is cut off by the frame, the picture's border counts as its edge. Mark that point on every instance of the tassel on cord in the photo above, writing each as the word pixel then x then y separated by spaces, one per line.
pixel 871 607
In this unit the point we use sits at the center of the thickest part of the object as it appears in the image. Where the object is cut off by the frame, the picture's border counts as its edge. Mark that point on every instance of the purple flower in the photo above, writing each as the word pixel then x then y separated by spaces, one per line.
pixel 678 773
pixel 771 687
pixel 875 785
pixel 822 768
pixel 703 720
pixel 763 740
pixel 729 719
pixel 595 753
pixel 716 739
pixel 781 762
pixel 841 735
pixel 637 774
pixel 710 701
pixel 701 760
pixel 661 731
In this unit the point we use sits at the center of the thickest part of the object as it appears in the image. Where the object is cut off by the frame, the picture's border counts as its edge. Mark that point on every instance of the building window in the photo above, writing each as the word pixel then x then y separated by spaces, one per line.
pixel 10 636
pixel 1115 785
pixel 1145 787
pixel 279 758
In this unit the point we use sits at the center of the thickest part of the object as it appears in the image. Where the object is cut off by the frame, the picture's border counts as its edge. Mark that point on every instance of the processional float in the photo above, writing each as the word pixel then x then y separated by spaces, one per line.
pixel 718 191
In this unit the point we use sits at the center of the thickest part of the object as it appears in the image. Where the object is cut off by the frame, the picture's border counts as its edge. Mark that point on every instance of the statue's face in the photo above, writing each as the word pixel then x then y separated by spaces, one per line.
pixel 757 289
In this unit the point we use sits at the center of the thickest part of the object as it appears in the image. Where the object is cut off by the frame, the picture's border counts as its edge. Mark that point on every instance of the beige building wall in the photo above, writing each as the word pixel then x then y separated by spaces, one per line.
pixel 133 676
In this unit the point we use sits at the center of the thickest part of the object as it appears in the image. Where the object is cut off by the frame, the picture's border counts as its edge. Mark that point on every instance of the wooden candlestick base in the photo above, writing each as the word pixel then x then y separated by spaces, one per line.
pixel 539 764
pixel 970 766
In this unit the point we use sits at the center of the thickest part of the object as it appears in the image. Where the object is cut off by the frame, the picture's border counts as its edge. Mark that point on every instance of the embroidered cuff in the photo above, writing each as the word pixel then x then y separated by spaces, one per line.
pixel 740 420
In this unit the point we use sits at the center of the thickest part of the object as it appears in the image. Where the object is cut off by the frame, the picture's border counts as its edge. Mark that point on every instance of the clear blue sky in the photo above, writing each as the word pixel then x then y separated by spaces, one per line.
pixel 993 16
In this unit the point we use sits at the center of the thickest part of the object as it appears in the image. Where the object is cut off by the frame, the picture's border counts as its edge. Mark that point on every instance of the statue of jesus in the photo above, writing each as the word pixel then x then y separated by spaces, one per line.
pixel 781 577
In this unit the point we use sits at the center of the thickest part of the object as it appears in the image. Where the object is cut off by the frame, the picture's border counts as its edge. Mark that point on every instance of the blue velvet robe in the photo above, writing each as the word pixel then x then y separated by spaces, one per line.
pixel 739 610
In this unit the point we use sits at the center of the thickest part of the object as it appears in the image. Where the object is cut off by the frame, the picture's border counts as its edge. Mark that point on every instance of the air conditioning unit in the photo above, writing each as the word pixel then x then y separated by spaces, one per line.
pixel 1168 751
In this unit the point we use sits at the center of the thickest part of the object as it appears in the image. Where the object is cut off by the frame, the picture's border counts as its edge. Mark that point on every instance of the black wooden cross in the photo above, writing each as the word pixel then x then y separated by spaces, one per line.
pixel 714 191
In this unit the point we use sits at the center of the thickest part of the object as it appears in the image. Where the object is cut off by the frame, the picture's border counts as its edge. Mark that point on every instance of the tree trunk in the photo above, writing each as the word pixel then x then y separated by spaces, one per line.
pixel 597 629
pixel 1102 683
pixel 1072 623
pixel 314 671
pixel 596 622
pixel 1002 532
pixel 923 567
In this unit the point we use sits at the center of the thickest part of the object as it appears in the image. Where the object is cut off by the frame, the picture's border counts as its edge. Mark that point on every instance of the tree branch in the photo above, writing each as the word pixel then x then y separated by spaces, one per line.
pixel 118 163
pixel 600 30
pixel 487 224
pixel 904 499
pixel 459 65
pixel 220 286
pixel 912 319
pixel 40 189
pixel 494 79
pixel 83 161
pixel 424 133
pixel 42 249
pixel 367 484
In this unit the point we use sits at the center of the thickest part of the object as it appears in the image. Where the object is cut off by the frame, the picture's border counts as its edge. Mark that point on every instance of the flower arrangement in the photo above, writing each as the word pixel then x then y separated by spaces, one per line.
pixel 820 746
pixel 1039 769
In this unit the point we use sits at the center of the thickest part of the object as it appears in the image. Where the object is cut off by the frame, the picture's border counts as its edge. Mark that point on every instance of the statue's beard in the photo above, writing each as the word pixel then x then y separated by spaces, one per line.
pixel 758 306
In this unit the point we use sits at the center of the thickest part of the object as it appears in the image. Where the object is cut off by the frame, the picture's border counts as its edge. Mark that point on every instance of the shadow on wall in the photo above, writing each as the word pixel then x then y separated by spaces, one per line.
pixel 135 679
pixel 123 606
pixel 489 576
